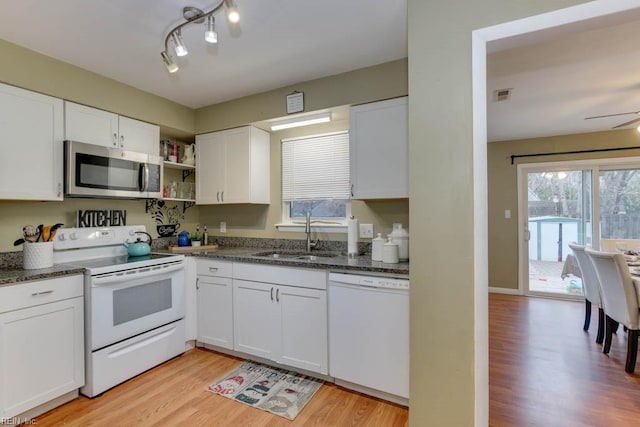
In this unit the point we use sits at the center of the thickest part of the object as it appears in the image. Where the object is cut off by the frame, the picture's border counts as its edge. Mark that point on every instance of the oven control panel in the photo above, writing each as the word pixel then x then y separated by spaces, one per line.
pixel 77 238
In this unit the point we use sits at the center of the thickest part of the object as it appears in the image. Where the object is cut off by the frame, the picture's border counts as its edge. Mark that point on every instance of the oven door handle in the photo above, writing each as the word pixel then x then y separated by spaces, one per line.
pixel 123 277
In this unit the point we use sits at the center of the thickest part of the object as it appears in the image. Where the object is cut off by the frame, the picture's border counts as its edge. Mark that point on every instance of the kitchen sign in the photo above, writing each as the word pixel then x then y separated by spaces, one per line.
pixel 102 218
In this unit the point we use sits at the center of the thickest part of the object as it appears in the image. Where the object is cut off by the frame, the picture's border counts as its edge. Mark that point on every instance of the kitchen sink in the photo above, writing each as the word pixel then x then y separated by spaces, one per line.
pixel 303 256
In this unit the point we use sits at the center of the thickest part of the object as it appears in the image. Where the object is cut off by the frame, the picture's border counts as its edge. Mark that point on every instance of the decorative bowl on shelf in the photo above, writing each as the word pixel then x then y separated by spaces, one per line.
pixel 167 230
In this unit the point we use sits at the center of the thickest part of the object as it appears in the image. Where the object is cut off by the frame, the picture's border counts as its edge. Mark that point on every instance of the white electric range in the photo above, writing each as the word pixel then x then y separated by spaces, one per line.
pixel 134 306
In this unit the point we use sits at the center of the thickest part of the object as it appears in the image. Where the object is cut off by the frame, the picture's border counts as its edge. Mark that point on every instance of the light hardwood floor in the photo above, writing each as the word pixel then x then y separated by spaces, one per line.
pixel 544 370
pixel 173 394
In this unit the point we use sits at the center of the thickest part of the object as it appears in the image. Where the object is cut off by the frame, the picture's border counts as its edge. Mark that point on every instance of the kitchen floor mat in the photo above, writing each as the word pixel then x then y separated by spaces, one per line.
pixel 278 391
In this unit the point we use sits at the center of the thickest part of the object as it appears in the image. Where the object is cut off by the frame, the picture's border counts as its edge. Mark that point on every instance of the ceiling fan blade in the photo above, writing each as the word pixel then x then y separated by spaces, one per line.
pixel 612 115
pixel 630 122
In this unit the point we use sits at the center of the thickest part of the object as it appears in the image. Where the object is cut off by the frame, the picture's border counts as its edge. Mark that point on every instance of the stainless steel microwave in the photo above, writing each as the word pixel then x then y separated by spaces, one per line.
pixel 97 171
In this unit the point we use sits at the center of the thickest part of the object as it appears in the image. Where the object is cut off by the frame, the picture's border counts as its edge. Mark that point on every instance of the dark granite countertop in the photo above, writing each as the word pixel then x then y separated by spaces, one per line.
pixel 12 274
pixel 323 259
pixel 231 249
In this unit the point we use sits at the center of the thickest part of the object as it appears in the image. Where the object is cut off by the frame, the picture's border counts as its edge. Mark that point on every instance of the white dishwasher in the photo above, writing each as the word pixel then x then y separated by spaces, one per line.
pixel 369 333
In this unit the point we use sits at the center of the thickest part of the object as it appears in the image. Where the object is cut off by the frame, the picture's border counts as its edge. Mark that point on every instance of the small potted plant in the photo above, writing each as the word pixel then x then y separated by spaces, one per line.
pixel 196 237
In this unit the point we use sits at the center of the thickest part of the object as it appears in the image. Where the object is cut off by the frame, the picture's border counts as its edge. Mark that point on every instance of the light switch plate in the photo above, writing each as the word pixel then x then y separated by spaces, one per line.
pixel 366 231
pixel 223 227
pixel 507 214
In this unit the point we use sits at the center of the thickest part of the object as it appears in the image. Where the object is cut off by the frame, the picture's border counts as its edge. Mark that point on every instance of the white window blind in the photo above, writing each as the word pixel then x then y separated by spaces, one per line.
pixel 316 167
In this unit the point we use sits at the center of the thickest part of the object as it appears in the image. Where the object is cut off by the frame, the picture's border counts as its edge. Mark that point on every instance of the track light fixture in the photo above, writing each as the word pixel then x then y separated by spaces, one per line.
pixel 171 66
pixel 178 43
pixel 232 11
pixel 195 15
pixel 210 34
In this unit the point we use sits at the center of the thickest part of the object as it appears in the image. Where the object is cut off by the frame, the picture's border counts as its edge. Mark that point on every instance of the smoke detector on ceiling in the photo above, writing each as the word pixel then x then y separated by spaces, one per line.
pixel 502 94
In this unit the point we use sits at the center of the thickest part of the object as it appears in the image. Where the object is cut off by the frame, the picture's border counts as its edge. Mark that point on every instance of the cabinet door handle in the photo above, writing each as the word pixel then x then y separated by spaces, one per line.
pixel 278 295
pixel 35 294
pixel 272 293
pixel 121 141
pixel 222 196
pixel 351 190
pixel 197 285
pixel 59 189
pixel 213 269
pixel 218 196
pixel 115 140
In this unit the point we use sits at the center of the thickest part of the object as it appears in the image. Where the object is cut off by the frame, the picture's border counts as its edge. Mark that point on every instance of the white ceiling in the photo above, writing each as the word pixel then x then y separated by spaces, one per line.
pixel 558 77
pixel 277 42
pixel 562 76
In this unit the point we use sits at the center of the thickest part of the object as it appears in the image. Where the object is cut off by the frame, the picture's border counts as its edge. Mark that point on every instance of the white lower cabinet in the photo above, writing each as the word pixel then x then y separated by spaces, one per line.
pixel 255 319
pixel 286 324
pixel 215 303
pixel 41 342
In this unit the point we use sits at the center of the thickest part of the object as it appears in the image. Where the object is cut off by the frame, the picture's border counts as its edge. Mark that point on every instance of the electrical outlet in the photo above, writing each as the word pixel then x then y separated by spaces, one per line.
pixel 223 227
pixel 366 231
pixel 507 214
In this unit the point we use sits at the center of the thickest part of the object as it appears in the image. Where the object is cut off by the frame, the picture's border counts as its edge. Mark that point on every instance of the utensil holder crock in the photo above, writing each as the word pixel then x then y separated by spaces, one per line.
pixel 37 255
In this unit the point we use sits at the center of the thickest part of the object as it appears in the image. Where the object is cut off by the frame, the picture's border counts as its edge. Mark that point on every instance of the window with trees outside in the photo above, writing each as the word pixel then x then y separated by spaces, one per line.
pixel 315 178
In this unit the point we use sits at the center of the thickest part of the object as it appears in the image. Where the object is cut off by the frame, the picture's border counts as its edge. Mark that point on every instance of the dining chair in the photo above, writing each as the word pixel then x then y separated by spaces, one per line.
pixel 591 288
pixel 620 300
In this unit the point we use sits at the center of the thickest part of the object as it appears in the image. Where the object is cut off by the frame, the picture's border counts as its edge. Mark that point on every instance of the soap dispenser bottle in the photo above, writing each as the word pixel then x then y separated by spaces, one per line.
pixel 205 236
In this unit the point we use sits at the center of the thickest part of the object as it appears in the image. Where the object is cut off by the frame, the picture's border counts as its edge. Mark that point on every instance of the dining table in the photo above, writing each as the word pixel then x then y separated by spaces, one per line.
pixel 634 269
pixel 571 267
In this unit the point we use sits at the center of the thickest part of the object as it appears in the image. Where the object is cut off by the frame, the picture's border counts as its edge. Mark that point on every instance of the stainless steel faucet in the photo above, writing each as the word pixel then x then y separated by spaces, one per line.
pixel 307 229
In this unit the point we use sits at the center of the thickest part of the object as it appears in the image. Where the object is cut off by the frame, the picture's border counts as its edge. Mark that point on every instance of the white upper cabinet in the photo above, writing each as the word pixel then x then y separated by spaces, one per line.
pixel 31 131
pixel 99 127
pixel 378 149
pixel 139 136
pixel 90 125
pixel 233 166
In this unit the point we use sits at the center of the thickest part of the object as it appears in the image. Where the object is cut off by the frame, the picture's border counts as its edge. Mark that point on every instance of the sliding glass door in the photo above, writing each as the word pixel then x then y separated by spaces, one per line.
pixel 595 203
pixel 558 212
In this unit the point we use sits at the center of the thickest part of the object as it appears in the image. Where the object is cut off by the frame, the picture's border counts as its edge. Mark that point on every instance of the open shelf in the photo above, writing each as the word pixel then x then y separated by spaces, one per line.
pixel 178 200
pixel 181 166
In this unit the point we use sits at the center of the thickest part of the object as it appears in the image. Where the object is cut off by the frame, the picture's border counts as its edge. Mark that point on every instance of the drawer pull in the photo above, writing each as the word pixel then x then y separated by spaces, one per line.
pixel 35 294
pixel 213 269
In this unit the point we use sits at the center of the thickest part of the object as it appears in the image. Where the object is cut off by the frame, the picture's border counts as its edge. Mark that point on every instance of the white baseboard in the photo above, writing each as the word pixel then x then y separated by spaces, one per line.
pixel 372 392
pixel 508 291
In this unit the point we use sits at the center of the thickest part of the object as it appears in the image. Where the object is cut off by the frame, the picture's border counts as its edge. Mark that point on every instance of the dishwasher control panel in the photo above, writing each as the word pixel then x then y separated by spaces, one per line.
pixel 370 281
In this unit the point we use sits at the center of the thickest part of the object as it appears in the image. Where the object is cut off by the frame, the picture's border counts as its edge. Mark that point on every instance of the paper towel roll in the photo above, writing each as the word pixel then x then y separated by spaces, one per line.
pixel 352 236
